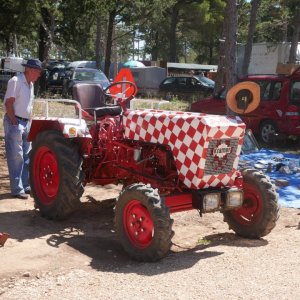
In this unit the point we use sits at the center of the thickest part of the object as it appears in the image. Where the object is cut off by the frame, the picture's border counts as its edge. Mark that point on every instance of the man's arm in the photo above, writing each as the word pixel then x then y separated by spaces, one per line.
pixel 9 105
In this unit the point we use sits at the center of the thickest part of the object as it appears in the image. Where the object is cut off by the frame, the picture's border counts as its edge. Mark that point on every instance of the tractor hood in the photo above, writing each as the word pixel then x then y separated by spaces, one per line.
pixel 205 148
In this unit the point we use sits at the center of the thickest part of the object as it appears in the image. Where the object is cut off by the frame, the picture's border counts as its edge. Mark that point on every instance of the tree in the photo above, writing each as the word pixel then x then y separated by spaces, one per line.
pixel 227 70
pixel 273 21
pixel 77 28
pixel 251 29
pixel 231 43
pixel 227 67
pixel 295 26
pixel 200 30
pixel 47 28
pixel 18 20
pixel 155 29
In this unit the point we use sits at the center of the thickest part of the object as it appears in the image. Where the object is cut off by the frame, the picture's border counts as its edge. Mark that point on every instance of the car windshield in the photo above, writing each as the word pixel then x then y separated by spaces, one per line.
pixel 89 76
pixel 206 81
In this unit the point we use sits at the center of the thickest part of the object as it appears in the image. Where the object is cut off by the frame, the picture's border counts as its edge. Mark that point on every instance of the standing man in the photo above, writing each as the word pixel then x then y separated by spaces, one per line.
pixel 18 107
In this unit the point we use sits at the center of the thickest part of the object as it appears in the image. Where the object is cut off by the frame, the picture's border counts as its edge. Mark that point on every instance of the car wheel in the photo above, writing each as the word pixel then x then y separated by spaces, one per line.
pixel 267 131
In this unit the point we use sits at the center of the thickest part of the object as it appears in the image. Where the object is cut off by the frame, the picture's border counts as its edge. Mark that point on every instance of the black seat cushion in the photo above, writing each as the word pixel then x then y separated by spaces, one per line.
pixel 103 111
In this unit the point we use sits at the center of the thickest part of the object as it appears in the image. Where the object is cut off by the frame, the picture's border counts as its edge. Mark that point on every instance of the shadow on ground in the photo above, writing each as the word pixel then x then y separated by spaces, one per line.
pixel 91 232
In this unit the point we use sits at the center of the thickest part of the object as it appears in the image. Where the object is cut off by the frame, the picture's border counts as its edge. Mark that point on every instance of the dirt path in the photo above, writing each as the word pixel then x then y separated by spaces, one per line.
pixel 80 258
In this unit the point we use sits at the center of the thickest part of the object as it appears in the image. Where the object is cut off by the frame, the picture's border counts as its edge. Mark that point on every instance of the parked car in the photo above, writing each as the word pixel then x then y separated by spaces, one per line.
pixel 85 75
pixel 207 82
pixel 278 111
pixel 54 78
pixel 186 86
pixel 5 76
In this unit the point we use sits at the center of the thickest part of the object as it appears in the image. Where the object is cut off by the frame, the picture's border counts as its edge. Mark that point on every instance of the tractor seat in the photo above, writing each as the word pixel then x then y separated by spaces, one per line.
pixel 92 99
pixel 106 110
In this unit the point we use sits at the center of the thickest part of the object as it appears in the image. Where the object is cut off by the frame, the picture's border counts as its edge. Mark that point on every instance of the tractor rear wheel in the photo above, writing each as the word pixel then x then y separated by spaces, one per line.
pixel 55 175
pixel 260 210
pixel 143 223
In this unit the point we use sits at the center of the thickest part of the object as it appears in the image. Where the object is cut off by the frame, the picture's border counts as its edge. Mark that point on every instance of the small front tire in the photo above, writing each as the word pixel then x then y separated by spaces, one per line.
pixel 260 210
pixel 143 223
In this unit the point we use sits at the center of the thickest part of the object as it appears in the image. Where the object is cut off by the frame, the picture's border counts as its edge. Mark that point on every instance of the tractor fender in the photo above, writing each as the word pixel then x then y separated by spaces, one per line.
pixel 70 128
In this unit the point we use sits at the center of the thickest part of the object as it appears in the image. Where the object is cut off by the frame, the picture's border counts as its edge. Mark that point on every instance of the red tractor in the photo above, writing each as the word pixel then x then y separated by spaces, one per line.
pixel 167 162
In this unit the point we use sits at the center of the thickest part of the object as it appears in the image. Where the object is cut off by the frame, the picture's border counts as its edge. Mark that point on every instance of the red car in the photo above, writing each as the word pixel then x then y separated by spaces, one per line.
pixel 278 111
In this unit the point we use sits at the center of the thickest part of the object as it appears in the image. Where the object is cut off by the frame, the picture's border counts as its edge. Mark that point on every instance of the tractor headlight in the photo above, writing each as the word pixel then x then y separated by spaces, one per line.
pixel 211 201
pixel 72 132
pixel 234 198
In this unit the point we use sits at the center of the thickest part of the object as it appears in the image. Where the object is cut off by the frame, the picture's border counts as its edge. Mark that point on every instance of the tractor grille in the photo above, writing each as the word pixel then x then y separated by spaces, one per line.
pixel 220 156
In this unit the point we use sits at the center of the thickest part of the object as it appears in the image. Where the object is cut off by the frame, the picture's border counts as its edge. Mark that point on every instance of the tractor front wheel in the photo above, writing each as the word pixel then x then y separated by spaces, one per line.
pixel 259 212
pixel 55 175
pixel 143 223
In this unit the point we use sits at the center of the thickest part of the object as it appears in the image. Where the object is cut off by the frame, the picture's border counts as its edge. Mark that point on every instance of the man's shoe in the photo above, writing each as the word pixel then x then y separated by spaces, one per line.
pixel 21 196
pixel 28 192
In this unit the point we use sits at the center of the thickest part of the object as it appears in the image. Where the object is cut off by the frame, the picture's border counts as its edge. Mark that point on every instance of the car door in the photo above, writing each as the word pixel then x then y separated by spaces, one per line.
pixel 168 85
pixel 182 84
pixel 269 107
pixel 218 103
pixel 192 84
pixel 213 105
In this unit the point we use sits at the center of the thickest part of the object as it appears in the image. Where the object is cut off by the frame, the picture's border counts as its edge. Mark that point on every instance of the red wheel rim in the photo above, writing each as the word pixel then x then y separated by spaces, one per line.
pixel 252 206
pixel 138 224
pixel 45 175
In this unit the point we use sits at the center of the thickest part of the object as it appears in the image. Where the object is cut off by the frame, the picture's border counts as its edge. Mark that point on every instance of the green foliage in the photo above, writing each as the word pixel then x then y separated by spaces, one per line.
pixel 205 30
pixel 197 23
pixel 18 18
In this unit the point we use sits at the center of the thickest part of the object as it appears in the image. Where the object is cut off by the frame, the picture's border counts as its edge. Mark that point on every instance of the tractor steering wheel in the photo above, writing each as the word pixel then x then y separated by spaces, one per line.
pixel 127 87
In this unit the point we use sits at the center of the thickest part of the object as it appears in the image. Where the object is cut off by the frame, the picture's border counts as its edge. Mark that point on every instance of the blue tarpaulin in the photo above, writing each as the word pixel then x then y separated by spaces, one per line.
pixel 278 165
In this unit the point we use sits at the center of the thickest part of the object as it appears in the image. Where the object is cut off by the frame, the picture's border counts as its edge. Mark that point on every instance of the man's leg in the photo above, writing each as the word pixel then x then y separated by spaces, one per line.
pixel 26 150
pixel 14 155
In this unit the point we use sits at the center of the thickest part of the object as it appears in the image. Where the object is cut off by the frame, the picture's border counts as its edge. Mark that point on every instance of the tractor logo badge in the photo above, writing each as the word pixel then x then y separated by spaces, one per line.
pixel 221 150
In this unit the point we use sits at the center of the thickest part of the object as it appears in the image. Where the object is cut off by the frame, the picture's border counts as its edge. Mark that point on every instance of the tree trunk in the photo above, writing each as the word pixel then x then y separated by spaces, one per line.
pixel 228 50
pixel 112 15
pixel 9 45
pixel 15 45
pixel 46 34
pixel 230 44
pixel 173 39
pixel 251 29
pixel 210 51
pixel 98 43
pixel 295 39
pixel 42 42
pixel 220 77
pixel 154 50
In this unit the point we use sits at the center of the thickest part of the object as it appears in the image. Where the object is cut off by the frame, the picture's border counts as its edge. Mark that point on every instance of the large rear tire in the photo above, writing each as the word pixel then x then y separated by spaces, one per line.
pixel 260 210
pixel 55 175
pixel 143 223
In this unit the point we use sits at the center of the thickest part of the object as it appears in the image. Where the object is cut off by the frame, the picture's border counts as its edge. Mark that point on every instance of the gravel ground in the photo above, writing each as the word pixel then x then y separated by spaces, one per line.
pixel 81 258
pixel 207 261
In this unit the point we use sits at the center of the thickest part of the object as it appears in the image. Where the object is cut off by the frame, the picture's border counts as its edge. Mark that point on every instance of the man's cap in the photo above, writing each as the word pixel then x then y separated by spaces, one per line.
pixel 33 64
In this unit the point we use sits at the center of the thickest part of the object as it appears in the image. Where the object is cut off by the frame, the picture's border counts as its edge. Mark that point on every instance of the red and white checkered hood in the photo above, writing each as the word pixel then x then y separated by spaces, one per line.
pixel 206 148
